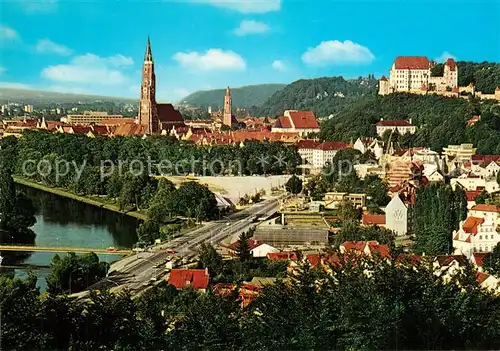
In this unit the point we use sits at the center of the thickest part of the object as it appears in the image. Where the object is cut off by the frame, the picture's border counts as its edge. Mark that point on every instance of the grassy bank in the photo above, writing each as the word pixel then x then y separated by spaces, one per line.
pixel 98 202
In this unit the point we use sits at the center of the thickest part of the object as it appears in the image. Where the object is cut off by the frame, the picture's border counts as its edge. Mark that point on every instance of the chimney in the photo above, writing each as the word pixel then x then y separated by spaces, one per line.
pixel 410 120
pixel 381 119
pixel 206 271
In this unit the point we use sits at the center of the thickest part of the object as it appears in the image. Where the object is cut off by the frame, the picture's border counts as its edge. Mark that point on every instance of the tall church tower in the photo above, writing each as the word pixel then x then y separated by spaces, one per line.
pixel 228 117
pixel 148 112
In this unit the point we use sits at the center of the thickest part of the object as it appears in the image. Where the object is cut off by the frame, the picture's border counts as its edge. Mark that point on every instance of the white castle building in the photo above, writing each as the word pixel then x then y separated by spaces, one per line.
pixel 413 74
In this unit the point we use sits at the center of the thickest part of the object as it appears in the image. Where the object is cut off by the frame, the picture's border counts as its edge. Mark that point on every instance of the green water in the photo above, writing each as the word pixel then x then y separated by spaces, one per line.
pixel 69 223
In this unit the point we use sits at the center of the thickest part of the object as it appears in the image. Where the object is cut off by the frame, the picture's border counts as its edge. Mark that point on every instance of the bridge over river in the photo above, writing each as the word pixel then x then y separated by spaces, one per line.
pixel 33 248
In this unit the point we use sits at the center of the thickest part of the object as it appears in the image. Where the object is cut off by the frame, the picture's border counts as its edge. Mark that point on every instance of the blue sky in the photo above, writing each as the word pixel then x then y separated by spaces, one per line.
pixel 98 46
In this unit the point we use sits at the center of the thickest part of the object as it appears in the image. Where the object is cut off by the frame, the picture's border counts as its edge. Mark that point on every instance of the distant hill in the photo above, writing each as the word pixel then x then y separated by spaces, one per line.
pixel 324 96
pixel 37 97
pixel 250 95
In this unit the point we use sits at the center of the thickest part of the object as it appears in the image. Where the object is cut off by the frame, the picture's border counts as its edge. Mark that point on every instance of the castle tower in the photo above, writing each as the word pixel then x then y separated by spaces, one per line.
pixel 228 117
pixel 148 112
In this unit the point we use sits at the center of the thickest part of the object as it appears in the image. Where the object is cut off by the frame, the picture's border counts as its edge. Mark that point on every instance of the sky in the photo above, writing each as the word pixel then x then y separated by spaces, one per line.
pixel 97 47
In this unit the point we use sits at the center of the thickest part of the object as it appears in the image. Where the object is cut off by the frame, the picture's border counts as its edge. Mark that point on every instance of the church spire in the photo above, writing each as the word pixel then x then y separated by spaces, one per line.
pixel 228 92
pixel 148 56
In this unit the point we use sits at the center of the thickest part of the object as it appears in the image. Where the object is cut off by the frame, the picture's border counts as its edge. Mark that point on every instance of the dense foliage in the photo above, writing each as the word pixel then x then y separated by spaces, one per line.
pixel 440 121
pixel 17 213
pixel 324 96
pixel 437 213
pixel 124 168
pixel 251 95
pixel 397 306
pixel 72 273
pixel 484 75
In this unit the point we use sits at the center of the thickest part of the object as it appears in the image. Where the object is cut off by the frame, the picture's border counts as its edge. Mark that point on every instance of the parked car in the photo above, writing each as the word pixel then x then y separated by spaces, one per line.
pixel 111 248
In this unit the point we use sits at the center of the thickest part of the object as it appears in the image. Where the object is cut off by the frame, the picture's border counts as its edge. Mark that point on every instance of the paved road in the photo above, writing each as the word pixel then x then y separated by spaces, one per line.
pixel 137 273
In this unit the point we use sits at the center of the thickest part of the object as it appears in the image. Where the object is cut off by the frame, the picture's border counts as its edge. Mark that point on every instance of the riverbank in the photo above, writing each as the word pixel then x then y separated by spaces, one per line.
pixel 85 199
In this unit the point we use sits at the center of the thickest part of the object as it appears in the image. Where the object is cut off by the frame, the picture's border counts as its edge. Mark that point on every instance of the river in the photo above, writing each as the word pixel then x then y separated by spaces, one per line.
pixel 69 223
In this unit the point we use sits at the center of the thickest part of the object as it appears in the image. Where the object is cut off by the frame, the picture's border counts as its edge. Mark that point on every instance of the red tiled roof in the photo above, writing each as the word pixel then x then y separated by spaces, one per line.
pixel 313 259
pixel 103 130
pixel 168 114
pixel 481 277
pixel 129 129
pixel 471 223
pixel 472 194
pixel 486 208
pixel 81 129
pixel 304 119
pixel 373 219
pixel 378 249
pixel 446 260
pixel 182 278
pixel 451 63
pixel 332 145
pixel 282 256
pixel 394 123
pixel 410 258
pixel 479 257
pixel 383 79
pixel 307 144
pixel 224 289
pixel 484 160
pixel 412 62
pixel 283 122
pixel 116 121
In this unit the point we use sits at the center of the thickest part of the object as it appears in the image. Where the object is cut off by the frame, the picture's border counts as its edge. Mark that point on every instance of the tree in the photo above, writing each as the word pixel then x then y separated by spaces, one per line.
pixel 243 246
pixel 492 261
pixel 210 258
pixel 17 213
pixel 377 190
pixel 148 231
pixel 348 212
pixel 294 185
pixel 74 273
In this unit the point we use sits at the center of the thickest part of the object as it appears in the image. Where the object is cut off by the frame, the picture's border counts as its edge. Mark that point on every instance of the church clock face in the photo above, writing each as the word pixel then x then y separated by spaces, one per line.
pixel 398 215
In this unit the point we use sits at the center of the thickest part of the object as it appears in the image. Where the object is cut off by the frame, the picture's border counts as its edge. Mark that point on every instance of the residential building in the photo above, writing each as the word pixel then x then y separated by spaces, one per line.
pixel 90 117
pixel 401 126
pixel 471 182
pixel 478 233
pixel 293 121
pixel 28 108
pixel 369 248
pixel 369 144
pixel 458 154
pixel 306 149
pixel 332 199
pixel 325 152
pixel 189 278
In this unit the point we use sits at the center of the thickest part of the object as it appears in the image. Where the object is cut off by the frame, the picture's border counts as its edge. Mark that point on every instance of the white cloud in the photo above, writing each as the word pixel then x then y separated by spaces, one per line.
pixel 211 60
pixel 89 69
pixel 245 6
pixel 337 52
pixel 251 27
pixel 14 85
pixel 279 65
pixel 7 33
pixel 2 70
pixel 444 56
pixel 48 46
pixel 38 6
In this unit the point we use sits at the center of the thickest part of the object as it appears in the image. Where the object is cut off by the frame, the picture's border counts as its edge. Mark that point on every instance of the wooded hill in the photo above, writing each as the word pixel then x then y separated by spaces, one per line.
pixel 324 96
pixel 440 121
pixel 250 95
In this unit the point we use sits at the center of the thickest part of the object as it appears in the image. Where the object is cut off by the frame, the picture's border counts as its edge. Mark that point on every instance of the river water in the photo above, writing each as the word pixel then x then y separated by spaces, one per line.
pixel 69 223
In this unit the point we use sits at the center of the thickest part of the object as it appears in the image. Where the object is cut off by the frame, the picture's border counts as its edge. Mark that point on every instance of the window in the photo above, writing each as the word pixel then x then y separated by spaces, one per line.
pixel 480 237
